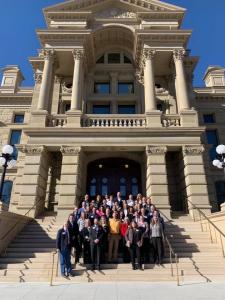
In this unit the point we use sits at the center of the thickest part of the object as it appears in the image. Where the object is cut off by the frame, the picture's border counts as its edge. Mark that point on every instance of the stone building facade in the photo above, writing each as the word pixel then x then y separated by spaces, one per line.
pixel 113 108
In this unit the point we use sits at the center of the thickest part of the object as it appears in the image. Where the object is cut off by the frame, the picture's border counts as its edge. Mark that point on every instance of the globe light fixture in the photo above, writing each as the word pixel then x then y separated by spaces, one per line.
pixel 6 161
pixel 219 162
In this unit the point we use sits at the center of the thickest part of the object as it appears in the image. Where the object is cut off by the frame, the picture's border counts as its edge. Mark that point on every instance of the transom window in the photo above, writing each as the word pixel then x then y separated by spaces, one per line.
pixel 19 118
pixel 125 87
pixel 102 87
pixel 101 109
pixel 114 58
pixel 208 118
pixel 126 109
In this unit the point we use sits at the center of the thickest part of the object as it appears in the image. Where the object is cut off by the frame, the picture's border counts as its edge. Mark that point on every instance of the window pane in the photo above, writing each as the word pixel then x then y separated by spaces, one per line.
pixel 101 60
pixel 104 189
pixel 114 58
pixel 125 88
pixel 67 107
pixel 126 109
pixel 211 136
pixel 6 193
pixel 101 109
pixel 208 118
pixel 212 153
pixel 15 137
pixel 19 118
pixel 126 60
pixel 92 190
pixel 123 190
pixel 134 190
pixel 102 88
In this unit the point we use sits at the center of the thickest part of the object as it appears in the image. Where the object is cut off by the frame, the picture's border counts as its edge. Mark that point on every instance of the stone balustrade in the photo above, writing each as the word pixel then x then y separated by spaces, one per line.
pixel 57 121
pixel 114 121
pixel 171 121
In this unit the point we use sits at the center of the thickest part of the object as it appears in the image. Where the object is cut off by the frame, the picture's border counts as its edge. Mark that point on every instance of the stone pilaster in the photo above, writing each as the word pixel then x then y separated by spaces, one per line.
pixel 34 180
pixel 195 179
pixel 69 191
pixel 156 178
pixel 153 116
pixel 55 96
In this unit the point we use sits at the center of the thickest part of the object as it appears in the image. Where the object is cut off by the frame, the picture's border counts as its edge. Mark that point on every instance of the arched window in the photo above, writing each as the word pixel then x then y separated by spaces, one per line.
pixel 220 192
pixel 123 186
pixel 93 187
pixel 134 186
pixel 104 186
pixel 6 193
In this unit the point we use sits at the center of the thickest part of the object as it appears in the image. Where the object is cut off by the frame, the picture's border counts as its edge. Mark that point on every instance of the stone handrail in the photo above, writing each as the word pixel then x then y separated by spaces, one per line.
pixel 171 121
pixel 57 121
pixel 114 121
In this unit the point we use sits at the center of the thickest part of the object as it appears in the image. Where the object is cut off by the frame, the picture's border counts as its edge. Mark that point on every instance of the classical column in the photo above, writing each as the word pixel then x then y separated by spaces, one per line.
pixel 156 177
pixel 34 180
pixel 181 85
pixel 70 182
pixel 149 80
pixel 46 78
pixel 195 179
pixel 78 55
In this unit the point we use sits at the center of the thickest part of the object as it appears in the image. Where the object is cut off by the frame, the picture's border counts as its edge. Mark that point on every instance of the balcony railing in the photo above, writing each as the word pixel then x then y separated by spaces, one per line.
pixel 57 121
pixel 114 121
pixel 171 121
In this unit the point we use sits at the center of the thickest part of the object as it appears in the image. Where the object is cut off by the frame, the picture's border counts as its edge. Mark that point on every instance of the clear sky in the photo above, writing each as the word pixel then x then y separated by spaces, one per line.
pixel 20 18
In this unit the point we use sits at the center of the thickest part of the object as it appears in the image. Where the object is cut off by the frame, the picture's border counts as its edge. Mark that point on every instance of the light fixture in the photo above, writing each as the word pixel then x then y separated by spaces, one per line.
pixel 219 162
pixel 100 166
pixel 126 166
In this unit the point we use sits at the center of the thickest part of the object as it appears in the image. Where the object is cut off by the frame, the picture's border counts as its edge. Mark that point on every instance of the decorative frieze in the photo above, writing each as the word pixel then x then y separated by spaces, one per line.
pixel 115 13
pixel 32 149
pixel 156 150
pixel 193 150
pixel 67 150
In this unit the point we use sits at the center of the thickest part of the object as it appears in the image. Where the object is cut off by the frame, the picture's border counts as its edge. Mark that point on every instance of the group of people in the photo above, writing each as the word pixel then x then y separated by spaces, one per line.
pixel 100 229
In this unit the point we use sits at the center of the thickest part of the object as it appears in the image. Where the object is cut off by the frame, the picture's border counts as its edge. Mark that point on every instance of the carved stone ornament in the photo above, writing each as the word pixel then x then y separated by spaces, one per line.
pixel 78 54
pixel 148 54
pixel 178 54
pixel 66 89
pixel 67 150
pixel 47 54
pixel 156 150
pixel 115 13
pixel 193 150
pixel 32 150
pixel 139 76
pixel 57 79
pixel 38 77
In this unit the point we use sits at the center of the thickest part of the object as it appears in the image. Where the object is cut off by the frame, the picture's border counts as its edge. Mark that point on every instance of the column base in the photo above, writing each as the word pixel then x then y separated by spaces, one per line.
pixel 74 118
pixel 154 119
pixel 38 118
pixel 189 118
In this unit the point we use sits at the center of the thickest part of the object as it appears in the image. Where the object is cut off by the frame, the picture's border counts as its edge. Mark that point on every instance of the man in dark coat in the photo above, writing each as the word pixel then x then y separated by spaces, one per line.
pixel 96 237
pixel 64 248
pixel 74 235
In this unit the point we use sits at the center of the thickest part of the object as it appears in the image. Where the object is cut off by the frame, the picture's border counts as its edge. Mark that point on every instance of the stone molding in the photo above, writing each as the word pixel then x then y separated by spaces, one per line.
pixel 193 150
pixel 178 54
pixel 32 150
pixel 78 54
pixel 156 150
pixel 47 54
pixel 57 79
pixel 67 150
pixel 38 78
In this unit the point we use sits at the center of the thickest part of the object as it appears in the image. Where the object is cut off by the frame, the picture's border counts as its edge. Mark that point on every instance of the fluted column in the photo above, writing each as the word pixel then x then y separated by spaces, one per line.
pixel 181 85
pixel 149 80
pixel 46 78
pixel 78 55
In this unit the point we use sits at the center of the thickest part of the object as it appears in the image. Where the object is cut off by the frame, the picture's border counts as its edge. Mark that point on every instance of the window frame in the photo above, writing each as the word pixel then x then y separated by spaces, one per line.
pixel 124 83
pixel 213 118
pixel 18 114
pixel 102 82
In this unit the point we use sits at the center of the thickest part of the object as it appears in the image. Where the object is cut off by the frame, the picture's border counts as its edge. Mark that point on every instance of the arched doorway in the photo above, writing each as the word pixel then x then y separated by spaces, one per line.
pixel 110 175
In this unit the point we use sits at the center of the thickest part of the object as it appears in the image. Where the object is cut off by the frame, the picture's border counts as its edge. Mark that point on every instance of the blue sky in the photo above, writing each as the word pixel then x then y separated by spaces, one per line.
pixel 20 18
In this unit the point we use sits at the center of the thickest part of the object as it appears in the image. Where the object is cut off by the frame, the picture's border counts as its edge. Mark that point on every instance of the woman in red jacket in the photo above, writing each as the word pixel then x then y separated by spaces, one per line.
pixel 123 229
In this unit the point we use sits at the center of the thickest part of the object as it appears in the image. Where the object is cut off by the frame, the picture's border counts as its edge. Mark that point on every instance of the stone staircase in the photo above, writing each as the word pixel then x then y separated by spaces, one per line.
pixel 29 257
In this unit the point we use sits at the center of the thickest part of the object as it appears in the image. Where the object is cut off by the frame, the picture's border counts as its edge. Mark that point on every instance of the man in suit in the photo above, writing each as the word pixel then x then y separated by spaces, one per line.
pixel 119 200
pixel 96 237
pixel 85 233
pixel 63 244
pixel 74 235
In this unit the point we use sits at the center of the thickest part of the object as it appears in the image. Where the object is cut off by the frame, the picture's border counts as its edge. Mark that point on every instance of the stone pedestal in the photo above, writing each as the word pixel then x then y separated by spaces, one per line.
pixel 69 191
pixel 222 206
pixel 189 118
pixel 195 180
pixel 74 118
pixel 156 178
pixel 38 118
pixel 153 119
pixel 34 181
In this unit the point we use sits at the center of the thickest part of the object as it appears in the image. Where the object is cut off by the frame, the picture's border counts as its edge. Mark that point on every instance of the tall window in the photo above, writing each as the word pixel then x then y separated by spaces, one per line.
pixel 134 186
pixel 220 192
pixel 125 87
pixel 93 187
pixel 15 139
pixel 123 187
pixel 6 193
pixel 19 118
pixel 104 187
pixel 212 139
pixel 101 109
pixel 126 109
pixel 102 88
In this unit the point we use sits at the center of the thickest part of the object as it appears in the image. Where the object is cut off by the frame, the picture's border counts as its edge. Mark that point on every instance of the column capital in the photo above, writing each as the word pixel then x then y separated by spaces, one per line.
pixel 32 149
pixel 47 54
pixel 178 54
pixel 156 150
pixel 78 54
pixel 148 54
pixel 68 150
pixel 38 77
pixel 193 150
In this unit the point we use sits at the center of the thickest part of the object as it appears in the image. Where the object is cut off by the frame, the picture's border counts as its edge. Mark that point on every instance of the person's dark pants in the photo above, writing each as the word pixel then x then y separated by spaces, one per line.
pixel 126 252
pixel 65 261
pixel 76 246
pixel 104 250
pixel 135 251
pixel 86 252
pixel 95 255
pixel 158 249
pixel 146 251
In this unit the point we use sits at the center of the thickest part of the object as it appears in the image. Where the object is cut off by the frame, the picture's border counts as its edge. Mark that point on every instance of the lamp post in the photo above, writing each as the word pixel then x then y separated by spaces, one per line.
pixel 219 162
pixel 6 161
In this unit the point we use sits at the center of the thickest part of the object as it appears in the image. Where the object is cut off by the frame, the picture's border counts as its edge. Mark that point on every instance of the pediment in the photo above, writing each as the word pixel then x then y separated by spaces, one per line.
pixel 98 5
